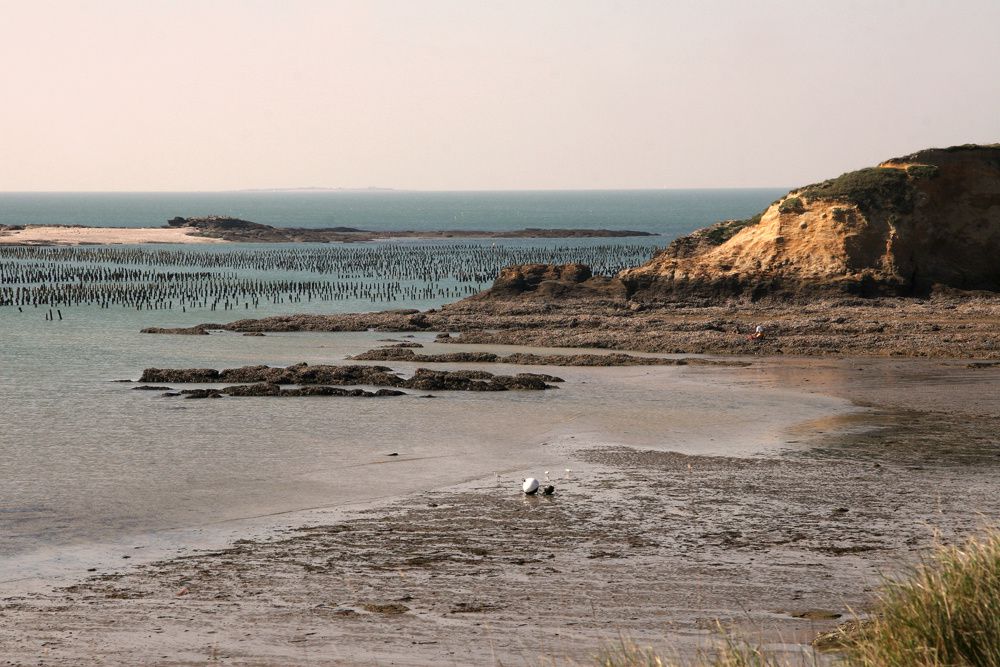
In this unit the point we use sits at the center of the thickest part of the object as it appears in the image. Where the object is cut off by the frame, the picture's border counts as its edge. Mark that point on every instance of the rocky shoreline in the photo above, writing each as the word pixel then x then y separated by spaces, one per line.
pixel 940 327
pixel 394 353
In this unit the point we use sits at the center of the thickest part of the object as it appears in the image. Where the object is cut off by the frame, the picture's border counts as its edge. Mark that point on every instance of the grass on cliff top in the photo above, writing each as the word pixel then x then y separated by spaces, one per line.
pixel 873 189
pixel 944 613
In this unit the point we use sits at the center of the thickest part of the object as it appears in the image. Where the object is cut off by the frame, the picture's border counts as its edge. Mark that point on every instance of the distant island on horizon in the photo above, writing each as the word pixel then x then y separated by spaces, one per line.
pixel 316 188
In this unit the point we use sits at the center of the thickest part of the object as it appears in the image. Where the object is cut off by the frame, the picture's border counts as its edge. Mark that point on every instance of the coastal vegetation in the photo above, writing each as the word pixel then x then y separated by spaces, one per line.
pixel 944 613
pixel 791 205
pixel 722 232
pixel 873 190
pixel 907 227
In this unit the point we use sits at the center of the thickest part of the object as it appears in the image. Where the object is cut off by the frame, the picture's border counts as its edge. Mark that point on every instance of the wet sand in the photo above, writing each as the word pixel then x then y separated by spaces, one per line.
pixel 651 543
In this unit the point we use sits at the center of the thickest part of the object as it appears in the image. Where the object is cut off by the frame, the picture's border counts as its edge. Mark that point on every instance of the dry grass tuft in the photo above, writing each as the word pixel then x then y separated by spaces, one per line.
pixel 946 612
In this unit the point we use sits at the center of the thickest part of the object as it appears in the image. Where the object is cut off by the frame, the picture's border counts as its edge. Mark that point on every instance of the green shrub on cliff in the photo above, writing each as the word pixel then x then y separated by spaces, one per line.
pixel 721 232
pixel 792 205
pixel 873 190
pixel 922 171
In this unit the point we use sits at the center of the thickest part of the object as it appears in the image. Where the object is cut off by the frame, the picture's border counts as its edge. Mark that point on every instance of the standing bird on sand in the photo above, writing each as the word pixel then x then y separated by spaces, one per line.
pixel 530 486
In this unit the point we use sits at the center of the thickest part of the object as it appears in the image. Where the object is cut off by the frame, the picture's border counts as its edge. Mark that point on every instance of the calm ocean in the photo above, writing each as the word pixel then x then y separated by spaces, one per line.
pixel 667 212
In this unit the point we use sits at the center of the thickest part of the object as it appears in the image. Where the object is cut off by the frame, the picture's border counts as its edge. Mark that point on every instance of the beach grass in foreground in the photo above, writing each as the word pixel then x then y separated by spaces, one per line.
pixel 944 612
pixel 731 653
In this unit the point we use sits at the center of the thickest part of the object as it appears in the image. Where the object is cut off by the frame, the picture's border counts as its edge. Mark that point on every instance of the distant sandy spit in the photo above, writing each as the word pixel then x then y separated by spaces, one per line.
pixel 57 235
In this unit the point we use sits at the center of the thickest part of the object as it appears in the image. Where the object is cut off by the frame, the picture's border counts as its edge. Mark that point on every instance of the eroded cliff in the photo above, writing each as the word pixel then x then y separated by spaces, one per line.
pixel 905 227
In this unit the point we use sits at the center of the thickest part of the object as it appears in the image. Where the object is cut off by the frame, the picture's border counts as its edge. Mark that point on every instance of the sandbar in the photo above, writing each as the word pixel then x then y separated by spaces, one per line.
pixel 62 235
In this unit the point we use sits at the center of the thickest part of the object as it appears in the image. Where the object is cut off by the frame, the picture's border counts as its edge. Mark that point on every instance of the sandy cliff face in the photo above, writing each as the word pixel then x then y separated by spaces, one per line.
pixel 903 227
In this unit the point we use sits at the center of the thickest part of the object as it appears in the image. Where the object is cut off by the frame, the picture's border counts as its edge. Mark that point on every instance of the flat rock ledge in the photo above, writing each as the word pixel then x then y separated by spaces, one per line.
pixel 326 377
pixel 528 359
pixel 945 326
pixel 269 389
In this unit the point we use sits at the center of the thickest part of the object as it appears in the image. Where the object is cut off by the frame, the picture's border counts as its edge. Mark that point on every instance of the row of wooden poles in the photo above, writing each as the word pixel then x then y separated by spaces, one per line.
pixel 387 261
pixel 243 279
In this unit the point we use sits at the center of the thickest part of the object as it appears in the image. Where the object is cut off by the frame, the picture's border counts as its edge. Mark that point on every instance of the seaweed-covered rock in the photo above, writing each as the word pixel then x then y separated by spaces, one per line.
pixel 183 375
pixel 263 380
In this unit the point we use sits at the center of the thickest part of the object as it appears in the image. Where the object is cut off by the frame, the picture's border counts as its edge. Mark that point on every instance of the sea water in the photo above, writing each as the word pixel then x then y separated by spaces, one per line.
pixel 85 459
pixel 667 212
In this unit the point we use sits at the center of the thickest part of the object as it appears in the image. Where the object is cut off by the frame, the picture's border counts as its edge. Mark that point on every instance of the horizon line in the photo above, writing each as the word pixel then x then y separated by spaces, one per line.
pixel 385 190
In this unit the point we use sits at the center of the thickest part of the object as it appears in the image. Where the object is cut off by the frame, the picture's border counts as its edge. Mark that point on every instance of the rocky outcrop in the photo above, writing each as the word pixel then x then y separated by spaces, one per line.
pixel 269 389
pixel 181 331
pixel 552 281
pixel 528 359
pixel 905 227
pixel 186 375
pixel 262 377
pixel 947 325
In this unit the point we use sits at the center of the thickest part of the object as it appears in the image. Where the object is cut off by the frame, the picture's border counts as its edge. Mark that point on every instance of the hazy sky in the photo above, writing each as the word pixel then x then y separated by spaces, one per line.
pixel 466 94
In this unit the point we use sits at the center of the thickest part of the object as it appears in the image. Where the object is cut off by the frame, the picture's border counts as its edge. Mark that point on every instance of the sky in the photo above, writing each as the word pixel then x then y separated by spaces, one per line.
pixel 176 95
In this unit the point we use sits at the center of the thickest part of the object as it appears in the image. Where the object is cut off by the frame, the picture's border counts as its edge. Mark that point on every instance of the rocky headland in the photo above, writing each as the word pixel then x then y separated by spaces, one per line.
pixel 910 226
pixel 893 260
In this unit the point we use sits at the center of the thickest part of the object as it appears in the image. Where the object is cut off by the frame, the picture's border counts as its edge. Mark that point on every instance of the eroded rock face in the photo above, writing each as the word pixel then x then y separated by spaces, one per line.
pixel 902 228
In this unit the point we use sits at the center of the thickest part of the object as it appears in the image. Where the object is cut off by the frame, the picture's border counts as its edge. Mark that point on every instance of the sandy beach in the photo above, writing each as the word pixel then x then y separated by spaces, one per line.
pixel 61 235
pixel 653 544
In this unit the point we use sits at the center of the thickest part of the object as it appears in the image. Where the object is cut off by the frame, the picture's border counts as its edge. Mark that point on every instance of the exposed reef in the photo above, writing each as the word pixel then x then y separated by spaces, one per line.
pixel 946 325
pixel 529 359
pixel 270 389
pixel 324 375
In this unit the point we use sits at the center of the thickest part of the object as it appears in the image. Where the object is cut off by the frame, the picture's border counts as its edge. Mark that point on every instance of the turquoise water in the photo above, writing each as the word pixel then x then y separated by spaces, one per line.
pixel 668 212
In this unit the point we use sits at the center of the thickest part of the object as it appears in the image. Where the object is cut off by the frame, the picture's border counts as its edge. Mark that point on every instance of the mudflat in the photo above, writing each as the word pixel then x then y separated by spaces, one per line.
pixel 657 545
